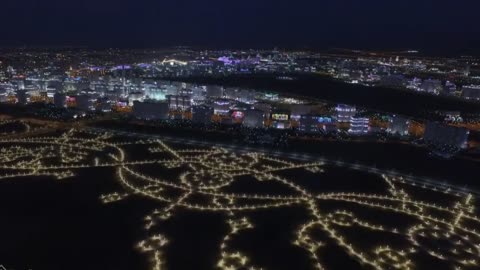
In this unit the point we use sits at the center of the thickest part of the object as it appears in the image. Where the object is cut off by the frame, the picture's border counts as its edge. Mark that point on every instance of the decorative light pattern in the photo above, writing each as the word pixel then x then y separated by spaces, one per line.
pixel 210 172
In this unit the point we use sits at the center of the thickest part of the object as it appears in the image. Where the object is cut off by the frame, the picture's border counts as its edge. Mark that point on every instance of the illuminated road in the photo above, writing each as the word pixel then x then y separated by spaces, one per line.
pixel 424 181
pixel 204 179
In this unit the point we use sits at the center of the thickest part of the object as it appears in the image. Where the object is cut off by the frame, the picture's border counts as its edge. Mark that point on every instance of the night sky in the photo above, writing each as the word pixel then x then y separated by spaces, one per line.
pixel 434 25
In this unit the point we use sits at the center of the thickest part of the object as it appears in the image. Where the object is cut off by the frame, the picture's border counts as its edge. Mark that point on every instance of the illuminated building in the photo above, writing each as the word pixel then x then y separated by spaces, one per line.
pixel 155 93
pixel 310 123
pixel 471 92
pixel 398 126
pixel 20 84
pixel 345 113
pixel 151 110
pixel 71 101
pixel 170 89
pixel 222 106
pixel 238 115
pixel 431 86
pixel 450 88
pixel 179 102
pixel 414 84
pixel 271 96
pixel 202 114
pixel 198 93
pixel 137 96
pixel 359 125
pixel 11 71
pixel 280 119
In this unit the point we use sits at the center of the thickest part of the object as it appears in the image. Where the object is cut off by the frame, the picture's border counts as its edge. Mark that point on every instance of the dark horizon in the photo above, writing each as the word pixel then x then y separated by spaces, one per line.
pixel 433 27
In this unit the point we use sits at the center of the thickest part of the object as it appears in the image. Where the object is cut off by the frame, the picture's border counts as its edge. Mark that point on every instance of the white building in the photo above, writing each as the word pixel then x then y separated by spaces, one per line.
pixel 359 125
pixel 345 113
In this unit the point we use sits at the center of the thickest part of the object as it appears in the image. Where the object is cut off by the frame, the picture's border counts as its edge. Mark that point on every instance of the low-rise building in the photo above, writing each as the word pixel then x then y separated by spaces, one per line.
pixel 202 114
pixel 439 134
pixel 359 125
pixel 345 113
pixel 151 110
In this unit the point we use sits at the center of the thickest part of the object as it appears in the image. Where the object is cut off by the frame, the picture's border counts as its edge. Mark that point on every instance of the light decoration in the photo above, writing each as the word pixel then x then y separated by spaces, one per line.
pixel 208 172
